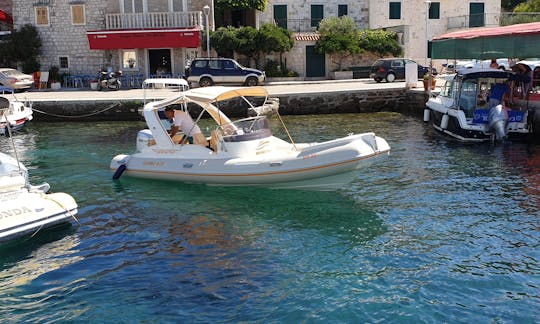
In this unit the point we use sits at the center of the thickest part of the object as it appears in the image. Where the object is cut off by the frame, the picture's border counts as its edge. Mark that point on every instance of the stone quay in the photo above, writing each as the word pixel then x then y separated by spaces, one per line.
pixel 296 98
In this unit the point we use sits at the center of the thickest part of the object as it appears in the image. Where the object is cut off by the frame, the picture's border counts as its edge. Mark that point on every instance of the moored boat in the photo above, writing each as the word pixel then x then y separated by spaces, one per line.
pixel 463 108
pixel 16 113
pixel 243 152
pixel 26 209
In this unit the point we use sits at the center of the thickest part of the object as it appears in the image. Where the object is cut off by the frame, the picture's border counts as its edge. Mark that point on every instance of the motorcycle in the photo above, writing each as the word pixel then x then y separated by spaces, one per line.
pixel 109 80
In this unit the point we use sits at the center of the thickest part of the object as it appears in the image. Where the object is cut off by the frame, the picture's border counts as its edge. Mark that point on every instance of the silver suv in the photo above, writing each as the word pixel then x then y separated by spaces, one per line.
pixel 208 71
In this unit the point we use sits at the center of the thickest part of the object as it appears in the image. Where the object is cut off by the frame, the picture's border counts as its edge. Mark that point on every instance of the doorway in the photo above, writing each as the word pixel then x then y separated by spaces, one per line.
pixel 315 63
pixel 160 62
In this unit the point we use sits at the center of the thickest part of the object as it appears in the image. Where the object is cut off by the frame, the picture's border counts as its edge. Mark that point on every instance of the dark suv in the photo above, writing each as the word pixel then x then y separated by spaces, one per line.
pixel 393 69
pixel 207 71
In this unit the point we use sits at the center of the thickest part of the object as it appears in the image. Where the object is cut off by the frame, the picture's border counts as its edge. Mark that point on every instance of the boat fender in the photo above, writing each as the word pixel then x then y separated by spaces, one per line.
pixel 444 121
pixel 118 173
pixel 426 115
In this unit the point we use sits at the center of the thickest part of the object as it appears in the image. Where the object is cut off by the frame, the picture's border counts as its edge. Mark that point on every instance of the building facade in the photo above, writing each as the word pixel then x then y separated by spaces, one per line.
pixel 149 37
pixel 302 18
pixel 143 37
pixel 416 21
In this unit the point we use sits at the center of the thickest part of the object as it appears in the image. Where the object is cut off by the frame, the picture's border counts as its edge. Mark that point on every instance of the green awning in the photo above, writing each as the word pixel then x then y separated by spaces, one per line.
pixel 515 41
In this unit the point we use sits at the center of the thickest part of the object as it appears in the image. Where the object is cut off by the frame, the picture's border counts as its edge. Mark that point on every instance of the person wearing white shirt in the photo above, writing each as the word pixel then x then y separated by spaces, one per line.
pixel 183 121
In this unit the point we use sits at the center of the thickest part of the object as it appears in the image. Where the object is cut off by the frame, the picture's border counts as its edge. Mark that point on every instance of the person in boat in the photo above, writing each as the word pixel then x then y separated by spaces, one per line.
pixel 181 120
pixel 494 64
pixel 499 94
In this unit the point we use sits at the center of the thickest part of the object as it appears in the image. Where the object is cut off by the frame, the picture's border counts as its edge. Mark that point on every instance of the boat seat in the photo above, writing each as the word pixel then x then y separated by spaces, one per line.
pixel 215 137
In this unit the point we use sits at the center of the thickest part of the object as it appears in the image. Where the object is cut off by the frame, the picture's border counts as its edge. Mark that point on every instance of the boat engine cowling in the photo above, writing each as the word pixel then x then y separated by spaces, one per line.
pixel 144 139
pixel 497 122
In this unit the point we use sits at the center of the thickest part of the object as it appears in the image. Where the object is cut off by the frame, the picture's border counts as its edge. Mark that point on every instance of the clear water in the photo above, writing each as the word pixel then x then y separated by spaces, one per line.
pixel 438 232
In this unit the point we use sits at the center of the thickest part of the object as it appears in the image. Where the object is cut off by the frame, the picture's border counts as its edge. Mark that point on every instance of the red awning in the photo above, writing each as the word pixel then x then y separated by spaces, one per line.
pixel 520 29
pixel 145 38
pixel 5 17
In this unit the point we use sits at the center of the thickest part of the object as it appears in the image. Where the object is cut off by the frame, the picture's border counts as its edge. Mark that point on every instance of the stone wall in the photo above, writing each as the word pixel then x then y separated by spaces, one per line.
pixel 299 14
pixel 61 37
pixel 395 100
pixel 414 21
pixel 301 10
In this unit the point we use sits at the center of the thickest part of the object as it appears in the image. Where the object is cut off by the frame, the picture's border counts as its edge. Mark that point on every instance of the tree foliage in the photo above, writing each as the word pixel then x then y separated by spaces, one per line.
pixel 22 49
pixel 380 42
pixel 338 38
pixel 275 39
pixel 509 5
pixel 251 42
pixel 529 6
pixel 224 41
pixel 242 4
pixel 248 42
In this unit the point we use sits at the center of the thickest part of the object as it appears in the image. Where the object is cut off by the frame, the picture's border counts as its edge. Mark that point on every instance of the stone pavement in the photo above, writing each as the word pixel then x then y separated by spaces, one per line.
pixel 273 88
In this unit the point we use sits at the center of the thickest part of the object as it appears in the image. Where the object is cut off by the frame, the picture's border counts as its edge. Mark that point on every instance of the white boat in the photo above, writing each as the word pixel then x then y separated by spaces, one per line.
pixel 243 152
pixel 462 109
pixel 27 209
pixel 16 113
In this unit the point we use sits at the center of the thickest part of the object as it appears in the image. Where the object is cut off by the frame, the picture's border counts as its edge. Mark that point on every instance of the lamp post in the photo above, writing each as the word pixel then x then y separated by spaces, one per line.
pixel 206 10
pixel 428 2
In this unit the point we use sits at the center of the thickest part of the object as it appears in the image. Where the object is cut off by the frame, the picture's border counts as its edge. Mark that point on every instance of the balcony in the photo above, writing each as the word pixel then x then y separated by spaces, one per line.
pixel 154 20
pixel 491 20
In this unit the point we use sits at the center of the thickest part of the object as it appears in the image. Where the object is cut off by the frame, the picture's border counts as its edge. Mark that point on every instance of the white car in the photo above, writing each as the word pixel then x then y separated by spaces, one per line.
pixel 15 79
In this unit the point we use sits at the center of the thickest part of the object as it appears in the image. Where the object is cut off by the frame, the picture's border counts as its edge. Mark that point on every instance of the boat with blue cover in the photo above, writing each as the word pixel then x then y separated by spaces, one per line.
pixel 465 109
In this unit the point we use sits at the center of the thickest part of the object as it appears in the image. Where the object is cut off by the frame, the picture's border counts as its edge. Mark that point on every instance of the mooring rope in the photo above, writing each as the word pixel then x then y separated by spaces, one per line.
pixel 78 116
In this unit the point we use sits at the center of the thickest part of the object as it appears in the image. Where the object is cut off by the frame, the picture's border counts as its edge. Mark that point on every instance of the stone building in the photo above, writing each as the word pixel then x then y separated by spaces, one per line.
pixel 416 21
pixel 413 20
pixel 302 18
pixel 144 37
pixel 139 37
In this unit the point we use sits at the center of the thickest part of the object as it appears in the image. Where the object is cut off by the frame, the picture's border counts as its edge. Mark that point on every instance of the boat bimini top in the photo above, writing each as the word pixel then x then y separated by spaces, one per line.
pixel 203 97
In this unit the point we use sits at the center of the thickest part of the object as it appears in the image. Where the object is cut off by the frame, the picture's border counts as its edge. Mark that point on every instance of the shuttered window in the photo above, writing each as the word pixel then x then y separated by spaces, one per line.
pixel 395 10
pixel 77 15
pixel 435 10
pixel 342 10
pixel 42 16
pixel 316 15
pixel 280 15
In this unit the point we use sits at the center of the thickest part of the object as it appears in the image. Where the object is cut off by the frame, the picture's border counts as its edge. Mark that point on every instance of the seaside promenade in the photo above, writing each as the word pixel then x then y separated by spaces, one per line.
pixel 273 88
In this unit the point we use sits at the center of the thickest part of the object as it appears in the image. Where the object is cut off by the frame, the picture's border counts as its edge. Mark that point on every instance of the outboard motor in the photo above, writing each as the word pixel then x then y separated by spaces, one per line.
pixel 144 139
pixel 497 122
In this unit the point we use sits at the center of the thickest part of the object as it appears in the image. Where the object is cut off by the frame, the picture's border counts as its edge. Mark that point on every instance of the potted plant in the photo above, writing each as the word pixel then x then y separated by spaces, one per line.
pixel 426 79
pixel 94 84
pixel 54 77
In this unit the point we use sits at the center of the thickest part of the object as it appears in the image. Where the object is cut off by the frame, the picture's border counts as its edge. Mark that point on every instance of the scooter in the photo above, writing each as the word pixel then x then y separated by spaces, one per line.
pixel 109 80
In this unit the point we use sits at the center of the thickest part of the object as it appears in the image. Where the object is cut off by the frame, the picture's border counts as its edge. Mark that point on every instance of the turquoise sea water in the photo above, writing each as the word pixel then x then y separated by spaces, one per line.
pixel 438 232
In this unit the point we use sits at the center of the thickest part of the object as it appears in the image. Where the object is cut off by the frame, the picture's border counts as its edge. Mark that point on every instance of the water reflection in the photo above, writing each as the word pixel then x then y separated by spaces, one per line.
pixel 437 224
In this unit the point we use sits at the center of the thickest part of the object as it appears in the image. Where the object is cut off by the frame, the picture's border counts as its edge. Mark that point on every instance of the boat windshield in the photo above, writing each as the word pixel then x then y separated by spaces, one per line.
pixel 467 98
pixel 448 89
pixel 247 129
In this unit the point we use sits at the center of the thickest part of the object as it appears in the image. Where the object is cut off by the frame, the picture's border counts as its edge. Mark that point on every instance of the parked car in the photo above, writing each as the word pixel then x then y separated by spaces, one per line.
pixel 208 71
pixel 15 79
pixel 391 69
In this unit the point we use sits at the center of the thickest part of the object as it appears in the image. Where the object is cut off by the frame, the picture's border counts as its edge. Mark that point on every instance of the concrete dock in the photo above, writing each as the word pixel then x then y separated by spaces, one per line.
pixel 304 97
